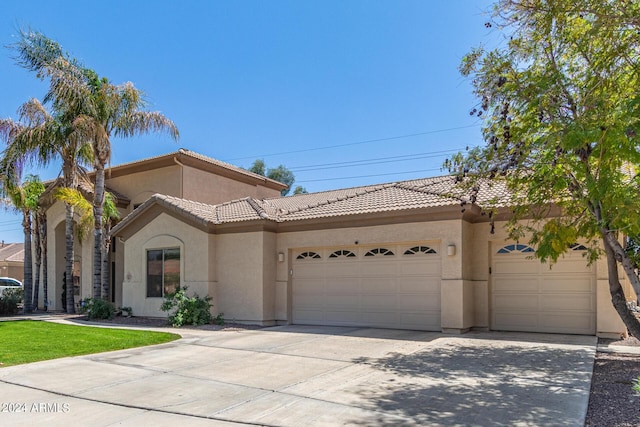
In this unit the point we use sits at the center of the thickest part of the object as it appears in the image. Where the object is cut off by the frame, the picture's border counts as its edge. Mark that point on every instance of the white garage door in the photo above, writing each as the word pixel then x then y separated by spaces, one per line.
pixel 529 296
pixel 386 286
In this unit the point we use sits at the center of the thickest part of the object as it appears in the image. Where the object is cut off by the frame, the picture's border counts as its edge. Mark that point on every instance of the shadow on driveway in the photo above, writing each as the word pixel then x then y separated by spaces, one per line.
pixel 482 382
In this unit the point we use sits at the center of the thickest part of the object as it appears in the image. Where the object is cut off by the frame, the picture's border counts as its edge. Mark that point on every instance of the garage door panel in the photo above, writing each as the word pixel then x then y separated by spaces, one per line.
pixel 306 302
pixel 308 270
pixel 309 285
pixel 342 316
pixel 417 302
pixel 343 301
pixel 509 321
pixel 381 291
pixel 342 285
pixel 567 284
pixel 426 285
pixel 378 302
pixel 378 318
pixel 379 285
pixel 511 283
pixel 342 268
pixel 422 267
pixel 567 302
pixel 568 265
pixel 553 322
pixel 517 301
pixel 528 296
pixel 372 268
pixel 519 267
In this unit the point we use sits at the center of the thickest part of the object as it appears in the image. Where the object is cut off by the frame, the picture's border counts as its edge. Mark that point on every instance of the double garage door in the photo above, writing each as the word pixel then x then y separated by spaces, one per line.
pixel 386 286
pixel 527 295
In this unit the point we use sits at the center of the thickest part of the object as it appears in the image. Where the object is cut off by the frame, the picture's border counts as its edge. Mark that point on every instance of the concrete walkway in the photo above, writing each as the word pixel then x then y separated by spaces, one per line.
pixel 312 376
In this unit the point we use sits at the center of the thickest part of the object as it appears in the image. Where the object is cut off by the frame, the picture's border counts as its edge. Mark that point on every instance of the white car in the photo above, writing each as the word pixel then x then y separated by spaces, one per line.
pixel 9 283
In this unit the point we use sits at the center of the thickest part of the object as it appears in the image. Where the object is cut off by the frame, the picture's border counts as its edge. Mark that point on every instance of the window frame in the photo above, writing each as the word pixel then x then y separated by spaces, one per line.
pixel 162 275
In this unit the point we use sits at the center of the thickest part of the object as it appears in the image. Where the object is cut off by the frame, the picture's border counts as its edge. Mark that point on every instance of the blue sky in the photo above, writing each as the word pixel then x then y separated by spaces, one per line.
pixel 344 92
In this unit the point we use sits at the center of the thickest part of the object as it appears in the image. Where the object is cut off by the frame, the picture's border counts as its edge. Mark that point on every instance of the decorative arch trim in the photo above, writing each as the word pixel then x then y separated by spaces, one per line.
pixel 420 250
pixel 515 248
pixel 379 252
pixel 309 255
pixel 342 254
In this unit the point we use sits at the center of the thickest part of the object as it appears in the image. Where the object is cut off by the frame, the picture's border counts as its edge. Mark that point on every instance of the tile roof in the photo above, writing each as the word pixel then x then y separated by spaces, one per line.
pixel 185 153
pixel 400 196
pixel 12 252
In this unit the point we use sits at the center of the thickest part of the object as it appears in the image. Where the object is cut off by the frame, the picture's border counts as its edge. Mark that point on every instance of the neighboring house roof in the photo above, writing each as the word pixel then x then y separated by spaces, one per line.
pixel 401 196
pixel 191 158
pixel 85 186
pixel 12 252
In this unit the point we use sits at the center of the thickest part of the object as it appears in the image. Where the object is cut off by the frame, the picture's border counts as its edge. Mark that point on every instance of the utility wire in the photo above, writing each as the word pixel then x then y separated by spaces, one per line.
pixel 368 176
pixel 380 160
pixel 328 147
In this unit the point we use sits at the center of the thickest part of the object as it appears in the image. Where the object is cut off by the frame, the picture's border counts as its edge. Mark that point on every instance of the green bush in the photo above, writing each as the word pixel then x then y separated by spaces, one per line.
pixel 97 308
pixel 188 310
pixel 9 301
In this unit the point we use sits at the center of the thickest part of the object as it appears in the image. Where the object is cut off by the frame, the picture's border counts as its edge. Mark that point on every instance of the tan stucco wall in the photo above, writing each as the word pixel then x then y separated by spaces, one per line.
pixel 140 186
pixel 241 276
pixel 214 189
pixel 195 266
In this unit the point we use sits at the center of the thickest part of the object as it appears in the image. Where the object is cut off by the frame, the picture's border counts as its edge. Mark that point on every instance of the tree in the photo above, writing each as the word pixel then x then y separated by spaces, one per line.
pixel 300 190
pixel 84 208
pixel 40 137
pixel 280 174
pixel 560 101
pixel 24 198
pixel 99 110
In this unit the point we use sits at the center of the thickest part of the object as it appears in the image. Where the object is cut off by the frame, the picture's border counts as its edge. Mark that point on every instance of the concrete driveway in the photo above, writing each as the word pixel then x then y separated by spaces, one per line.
pixel 312 376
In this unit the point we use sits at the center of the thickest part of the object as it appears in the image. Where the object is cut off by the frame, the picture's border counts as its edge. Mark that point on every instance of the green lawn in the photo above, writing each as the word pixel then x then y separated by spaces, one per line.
pixel 27 341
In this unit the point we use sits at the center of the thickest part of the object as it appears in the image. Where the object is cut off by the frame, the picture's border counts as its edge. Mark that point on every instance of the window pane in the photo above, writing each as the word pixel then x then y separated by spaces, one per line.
pixel 154 273
pixel 171 270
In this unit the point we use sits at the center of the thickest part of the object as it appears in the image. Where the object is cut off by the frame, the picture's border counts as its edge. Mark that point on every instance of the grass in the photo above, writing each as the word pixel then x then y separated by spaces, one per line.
pixel 27 341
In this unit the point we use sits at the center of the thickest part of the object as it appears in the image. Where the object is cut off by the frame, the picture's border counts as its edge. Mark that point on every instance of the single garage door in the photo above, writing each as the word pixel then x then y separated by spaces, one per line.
pixel 529 296
pixel 386 286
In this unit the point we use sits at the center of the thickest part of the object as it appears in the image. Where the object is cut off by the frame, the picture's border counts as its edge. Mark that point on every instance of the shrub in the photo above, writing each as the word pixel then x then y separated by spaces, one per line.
pixel 97 308
pixel 9 301
pixel 188 310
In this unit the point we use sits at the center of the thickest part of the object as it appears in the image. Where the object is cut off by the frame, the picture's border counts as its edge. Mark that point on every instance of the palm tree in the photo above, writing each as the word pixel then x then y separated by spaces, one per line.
pixel 114 110
pixel 41 138
pixel 55 136
pixel 24 198
pixel 84 208
pixel 102 110
pixel 41 254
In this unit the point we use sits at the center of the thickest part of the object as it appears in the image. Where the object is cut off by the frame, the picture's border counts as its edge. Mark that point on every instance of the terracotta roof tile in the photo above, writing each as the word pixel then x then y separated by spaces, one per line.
pixel 406 195
pixel 12 252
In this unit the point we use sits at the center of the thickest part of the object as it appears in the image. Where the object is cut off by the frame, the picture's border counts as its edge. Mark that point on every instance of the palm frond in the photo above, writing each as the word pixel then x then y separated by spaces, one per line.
pixel 142 122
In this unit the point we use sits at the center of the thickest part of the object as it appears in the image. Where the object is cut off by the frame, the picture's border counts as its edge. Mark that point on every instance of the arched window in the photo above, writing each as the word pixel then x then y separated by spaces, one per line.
pixel 578 247
pixel 419 250
pixel 516 248
pixel 309 255
pixel 342 254
pixel 379 251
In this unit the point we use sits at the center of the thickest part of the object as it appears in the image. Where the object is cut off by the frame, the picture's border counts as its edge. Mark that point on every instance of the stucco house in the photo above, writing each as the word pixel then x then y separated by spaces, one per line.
pixel 183 174
pixel 12 260
pixel 397 255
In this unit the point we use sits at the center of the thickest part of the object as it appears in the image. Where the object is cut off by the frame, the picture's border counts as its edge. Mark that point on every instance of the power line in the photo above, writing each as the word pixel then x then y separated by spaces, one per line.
pixel 328 147
pixel 368 176
pixel 380 160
